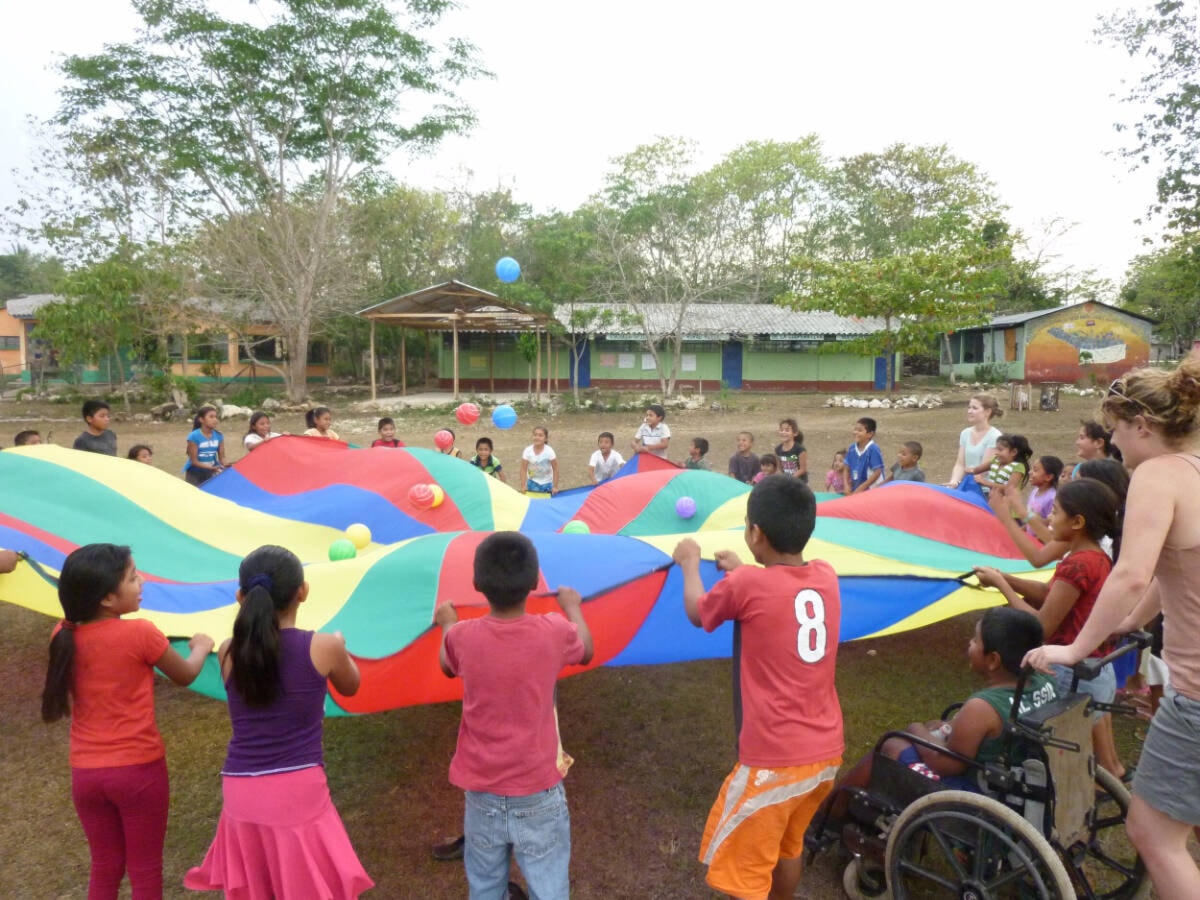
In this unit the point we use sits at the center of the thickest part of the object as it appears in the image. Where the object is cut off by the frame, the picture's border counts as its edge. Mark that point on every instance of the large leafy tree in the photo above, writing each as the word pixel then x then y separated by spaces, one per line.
pixel 1163 285
pixel 1166 135
pixel 257 129
pixel 24 272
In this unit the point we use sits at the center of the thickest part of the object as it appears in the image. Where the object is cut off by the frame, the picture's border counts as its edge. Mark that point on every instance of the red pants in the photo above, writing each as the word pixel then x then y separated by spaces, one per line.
pixel 123 811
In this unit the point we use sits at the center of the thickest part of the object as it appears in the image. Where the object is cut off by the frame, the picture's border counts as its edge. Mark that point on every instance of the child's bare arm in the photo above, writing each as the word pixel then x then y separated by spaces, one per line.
pixel 975 722
pixel 687 555
pixel 445 616
pixel 184 671
pixel 572 607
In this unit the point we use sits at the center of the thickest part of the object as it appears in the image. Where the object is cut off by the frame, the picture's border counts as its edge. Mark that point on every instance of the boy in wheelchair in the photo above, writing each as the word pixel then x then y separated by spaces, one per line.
pixel 977 732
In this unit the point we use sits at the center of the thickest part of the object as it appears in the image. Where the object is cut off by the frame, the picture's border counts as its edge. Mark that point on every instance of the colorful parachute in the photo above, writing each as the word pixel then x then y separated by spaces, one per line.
pixel 900 551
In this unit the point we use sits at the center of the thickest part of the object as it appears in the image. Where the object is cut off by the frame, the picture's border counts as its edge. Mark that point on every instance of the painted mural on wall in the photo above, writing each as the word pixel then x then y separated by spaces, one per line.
pixel 1086 342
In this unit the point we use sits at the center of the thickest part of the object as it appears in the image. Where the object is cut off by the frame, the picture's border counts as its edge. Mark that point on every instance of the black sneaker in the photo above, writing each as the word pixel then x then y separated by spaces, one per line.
pixel 449 850
pixel 516 892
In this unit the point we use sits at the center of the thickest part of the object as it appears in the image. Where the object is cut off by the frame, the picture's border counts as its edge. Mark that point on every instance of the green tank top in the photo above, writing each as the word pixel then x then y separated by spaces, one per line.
pixel 1039 690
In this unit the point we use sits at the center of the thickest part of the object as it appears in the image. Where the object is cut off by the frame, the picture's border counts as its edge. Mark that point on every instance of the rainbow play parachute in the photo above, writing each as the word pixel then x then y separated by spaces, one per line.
pixel 900 551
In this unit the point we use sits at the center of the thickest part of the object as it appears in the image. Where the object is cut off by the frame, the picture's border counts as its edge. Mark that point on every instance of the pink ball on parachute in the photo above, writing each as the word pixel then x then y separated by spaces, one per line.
pixel 443 439
pixel 685 507
pixel 467 413
pixel 421 496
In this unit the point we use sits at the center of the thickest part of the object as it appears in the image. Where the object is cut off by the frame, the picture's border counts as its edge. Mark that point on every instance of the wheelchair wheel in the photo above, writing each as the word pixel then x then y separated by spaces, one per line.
pixel 968 846
pixel 1107 866
pixel 861 883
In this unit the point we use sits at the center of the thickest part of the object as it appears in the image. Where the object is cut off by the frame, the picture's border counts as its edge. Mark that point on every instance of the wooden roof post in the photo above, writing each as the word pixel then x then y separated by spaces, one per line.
pixel 454 326
pixel 403 364
pixel 373 394
pixel 537 375
pixel 492 363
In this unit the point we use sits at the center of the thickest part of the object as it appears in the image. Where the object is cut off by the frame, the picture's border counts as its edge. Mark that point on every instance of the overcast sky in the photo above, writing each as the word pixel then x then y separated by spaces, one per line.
pixel 1021 89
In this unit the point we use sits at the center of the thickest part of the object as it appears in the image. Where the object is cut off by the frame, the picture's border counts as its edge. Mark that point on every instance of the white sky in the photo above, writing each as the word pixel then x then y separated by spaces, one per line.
pixel 1021 89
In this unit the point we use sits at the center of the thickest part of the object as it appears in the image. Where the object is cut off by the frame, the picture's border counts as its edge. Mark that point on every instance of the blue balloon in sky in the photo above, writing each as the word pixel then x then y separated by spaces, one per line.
pixel 508 269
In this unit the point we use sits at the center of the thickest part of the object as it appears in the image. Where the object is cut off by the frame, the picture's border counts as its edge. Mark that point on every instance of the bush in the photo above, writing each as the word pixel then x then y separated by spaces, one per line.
pixel 249 395
pixel 162 385
pixel 991 373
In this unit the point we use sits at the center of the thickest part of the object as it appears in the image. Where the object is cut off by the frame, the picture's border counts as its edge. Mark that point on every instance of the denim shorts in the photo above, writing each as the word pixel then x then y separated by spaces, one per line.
pixel 1102 688
pixel 534 829
pixel 1168 773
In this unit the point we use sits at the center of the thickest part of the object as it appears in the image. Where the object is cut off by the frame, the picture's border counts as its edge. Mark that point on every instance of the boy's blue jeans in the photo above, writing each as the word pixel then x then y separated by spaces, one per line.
pixel 536 829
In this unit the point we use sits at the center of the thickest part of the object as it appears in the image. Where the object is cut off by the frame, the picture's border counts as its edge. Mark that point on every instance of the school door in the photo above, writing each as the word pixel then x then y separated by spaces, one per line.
pixel 731 365
pixel 881 373
pixel 584 349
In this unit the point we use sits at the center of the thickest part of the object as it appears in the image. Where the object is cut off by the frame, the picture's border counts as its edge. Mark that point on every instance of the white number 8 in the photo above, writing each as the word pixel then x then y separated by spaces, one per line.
pixel 812 637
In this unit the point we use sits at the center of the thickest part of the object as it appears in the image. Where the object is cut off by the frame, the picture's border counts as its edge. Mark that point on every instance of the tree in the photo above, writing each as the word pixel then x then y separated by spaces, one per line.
pixel 23 272
pixel 260 130
pixel 1167 95
pixel 1164 285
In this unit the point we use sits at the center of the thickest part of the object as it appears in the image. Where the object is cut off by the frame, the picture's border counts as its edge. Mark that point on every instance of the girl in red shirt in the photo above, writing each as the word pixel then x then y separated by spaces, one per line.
pixel 101 674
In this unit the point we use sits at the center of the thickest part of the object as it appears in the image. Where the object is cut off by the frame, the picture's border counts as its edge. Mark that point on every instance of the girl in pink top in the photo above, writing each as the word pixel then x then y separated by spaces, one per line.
pixel 103 666
pixel 1155 416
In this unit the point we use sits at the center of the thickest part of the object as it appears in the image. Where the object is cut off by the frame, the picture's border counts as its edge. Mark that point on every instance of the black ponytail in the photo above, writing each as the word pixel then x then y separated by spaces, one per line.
pixel 269 579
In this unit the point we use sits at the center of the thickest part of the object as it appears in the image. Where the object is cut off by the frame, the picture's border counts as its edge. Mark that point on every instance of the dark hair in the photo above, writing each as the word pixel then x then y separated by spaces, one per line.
pixel 785 511
pixel 701 444
pixel 1097 432
pixel 506 568
pixel 868 423
pixel 255 418
pixel 747 434
pixel 1019 445
pixel 915 448
pixel 89 574
pixel 23 437
pixel 487 441
pixel 769 459
pixel 543 429
pixel 91 407
pixel 606 434
pixel 269 579
pixel 202 412
pixel 798 435
pixel 1011 633
pixel 386 420
pixel 1052 466
pixel 657 409
pixel 138 448
pixel 1093 500
pixel 1113 474
pixel 451 431
pixel 310 417
pixel 1169 400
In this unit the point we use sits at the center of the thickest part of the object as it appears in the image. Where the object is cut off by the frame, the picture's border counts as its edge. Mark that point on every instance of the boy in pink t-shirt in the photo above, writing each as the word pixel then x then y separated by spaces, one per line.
pixel 506 760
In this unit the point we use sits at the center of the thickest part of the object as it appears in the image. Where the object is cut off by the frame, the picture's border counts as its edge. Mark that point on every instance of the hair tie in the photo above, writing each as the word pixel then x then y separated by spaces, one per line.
pixel 262 580
pixel 70 626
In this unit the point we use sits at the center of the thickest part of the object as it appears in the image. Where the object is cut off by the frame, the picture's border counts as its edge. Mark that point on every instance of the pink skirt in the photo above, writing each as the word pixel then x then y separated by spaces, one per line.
pixel 280 836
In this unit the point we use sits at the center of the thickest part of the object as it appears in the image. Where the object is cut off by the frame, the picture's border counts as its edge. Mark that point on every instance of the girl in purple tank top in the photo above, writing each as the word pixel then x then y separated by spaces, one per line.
pixel 279 833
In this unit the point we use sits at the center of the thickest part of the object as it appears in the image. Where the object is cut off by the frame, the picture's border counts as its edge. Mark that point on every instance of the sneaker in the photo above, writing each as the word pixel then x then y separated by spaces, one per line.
pixel 516 892
pixel 449 850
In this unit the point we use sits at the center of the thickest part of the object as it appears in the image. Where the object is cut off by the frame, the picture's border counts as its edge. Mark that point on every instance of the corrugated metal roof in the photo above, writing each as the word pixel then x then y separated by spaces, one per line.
pixel 27 307
pixel 1022 318
pixel 713 321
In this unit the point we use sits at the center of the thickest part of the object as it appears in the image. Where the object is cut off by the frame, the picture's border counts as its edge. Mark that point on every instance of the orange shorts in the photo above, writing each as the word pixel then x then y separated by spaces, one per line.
pixel 760 817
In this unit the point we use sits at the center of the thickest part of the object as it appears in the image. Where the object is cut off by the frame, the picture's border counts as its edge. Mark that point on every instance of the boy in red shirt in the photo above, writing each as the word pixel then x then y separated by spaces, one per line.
pixel 507 756
pixel 787 618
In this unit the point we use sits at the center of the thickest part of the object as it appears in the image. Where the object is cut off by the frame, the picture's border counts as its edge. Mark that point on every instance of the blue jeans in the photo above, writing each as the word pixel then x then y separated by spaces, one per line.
pixel 1102 688
pixel 536 829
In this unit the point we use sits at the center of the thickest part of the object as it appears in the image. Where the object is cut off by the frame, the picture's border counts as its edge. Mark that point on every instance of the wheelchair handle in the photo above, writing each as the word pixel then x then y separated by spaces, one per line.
pixel 1087 669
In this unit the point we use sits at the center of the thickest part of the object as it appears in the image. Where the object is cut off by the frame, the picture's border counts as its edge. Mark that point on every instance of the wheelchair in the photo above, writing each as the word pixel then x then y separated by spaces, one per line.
pixel 1048 824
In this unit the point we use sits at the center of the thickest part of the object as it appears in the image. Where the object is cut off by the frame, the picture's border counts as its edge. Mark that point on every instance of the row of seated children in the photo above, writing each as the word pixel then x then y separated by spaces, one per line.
pixel 860 467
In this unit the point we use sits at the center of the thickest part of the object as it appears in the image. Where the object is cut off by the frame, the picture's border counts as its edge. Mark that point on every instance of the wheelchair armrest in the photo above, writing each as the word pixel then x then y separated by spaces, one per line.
pixel 949 711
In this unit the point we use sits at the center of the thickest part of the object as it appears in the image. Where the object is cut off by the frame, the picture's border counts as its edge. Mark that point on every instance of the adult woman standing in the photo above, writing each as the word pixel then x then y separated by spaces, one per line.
pixel 1156 416
pixel 977 443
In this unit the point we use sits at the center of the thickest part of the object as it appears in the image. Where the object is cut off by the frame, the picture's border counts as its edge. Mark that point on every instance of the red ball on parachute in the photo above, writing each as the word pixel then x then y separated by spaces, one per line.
pixel 421 496
pixel 467 413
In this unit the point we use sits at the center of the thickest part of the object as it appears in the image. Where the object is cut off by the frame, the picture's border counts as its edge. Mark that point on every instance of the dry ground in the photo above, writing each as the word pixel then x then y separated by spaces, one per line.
pixel 652 744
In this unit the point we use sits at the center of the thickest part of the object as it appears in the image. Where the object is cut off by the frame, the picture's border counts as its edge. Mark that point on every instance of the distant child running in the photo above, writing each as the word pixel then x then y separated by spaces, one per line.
pixel 96 438
pixel 485 459
pixel 744 465
pixel 205 447
pixel 506 760
pixel 790 742
pixel 793 458
pixel 605 461
pixel 387 434
pixel 864 460
pixel 259 431
pixel 539 465
pixel 697 457
pixel 835 478
pixel 908 462
pixel 101 675
pixel 653 435
pixel 319 421
pixel 279 834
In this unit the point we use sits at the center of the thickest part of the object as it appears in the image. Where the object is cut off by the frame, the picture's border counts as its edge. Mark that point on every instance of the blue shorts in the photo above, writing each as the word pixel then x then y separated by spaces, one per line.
pixel 911 757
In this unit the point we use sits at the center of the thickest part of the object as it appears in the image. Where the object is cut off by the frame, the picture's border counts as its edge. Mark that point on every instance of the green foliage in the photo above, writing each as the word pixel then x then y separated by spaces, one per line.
pixel 991 373
pixel 1167 136
pixel 1165 286
pixel 161 387
pixel 23 272
pixel 249 395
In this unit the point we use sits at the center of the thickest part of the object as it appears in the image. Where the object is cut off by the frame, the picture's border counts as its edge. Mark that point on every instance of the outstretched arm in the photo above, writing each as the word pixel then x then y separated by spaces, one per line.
pixel 184 671
pixel 572 607
pixel 687 555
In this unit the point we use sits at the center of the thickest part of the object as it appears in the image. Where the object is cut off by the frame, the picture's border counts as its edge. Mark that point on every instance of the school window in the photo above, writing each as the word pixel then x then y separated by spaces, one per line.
pixel 200 348
pixel 10 343
pixel 318 353
pixel 263 348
